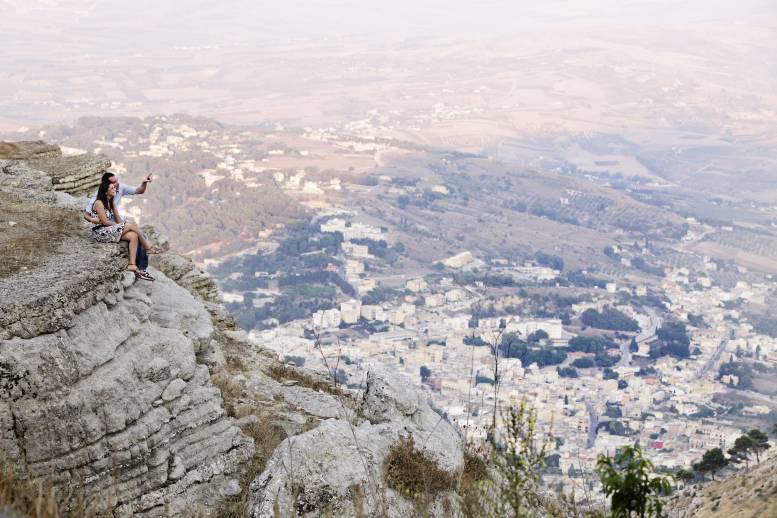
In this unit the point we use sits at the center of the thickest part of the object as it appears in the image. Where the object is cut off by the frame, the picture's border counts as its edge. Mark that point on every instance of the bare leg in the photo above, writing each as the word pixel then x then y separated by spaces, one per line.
pixel 131 226
pixel 132 238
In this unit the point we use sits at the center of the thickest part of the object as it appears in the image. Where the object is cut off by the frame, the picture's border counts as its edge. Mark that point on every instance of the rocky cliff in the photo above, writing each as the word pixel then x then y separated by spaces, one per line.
pixel 145 397
pixel 751 492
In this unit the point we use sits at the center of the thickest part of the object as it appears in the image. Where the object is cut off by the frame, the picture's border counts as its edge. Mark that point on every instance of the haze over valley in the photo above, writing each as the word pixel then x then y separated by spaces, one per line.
pixel 572 204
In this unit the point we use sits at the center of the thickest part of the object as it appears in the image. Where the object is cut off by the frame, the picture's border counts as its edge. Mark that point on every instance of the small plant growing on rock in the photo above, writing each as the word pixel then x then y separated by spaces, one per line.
pixel 627 479
pixel 414 472
pixel 511 485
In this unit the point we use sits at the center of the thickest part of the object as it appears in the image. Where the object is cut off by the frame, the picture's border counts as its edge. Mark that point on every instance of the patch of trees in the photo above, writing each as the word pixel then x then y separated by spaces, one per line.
pixel 754 442
pixel 381 294
pixel 696 320
pixel 567 372
pixel 764 324
pixel 304 282
pixel 542 305
pixel 640 264
pixel 490 279
pixel 474 341
pixel 646 372
pixel 549 260
pixel 711 462
pixel 285 308
pixel 590 344
pixel 512 346
pixel 551 211
pixel 306 237
pixel 741 370
pixel 609 318
pixel 650 300
pixel 610 374
pixel 610 252
pixel 672 340
pixel 602 359
pixel 614 428
pixel 583 363
pixel 613 411
pixel 583 280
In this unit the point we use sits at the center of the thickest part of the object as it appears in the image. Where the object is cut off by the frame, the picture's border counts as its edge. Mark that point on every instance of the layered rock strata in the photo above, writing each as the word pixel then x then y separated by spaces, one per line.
pixel 337 468
pixel 100 388
pixel 79 174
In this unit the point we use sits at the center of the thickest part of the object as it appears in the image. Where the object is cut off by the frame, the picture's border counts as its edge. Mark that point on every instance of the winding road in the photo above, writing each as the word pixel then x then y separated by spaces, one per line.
pixel 713 360
pixel 645 335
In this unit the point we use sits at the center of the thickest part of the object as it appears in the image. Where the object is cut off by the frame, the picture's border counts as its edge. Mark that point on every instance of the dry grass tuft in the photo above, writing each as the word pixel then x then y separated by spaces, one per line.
pixel 283 373
pixel 267 436
pixel 475 467
pixel 37 499
pixel 230 391
pixel 235 363
pixel 415 473
pixel 31 232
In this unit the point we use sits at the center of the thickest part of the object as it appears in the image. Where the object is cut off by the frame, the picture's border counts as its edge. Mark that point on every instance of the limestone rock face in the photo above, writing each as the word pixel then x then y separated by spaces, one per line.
pixel 28 150
pixel 79 174
pixel 100 385
pixel 337 467
pixel 86 408
pixel 183 271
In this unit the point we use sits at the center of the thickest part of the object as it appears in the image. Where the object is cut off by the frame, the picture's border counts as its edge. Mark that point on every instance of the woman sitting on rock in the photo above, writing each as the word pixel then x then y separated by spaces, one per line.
pixel 113 229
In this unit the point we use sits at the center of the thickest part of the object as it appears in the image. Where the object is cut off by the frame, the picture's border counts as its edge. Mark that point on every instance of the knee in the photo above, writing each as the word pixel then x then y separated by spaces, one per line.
pixel 131 235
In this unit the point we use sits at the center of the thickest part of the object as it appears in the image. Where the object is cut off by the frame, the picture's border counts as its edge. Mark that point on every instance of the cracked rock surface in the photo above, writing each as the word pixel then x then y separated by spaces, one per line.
pixel 100 385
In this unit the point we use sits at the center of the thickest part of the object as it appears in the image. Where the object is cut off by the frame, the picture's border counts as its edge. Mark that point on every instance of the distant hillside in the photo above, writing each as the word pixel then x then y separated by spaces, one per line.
pixel 751 493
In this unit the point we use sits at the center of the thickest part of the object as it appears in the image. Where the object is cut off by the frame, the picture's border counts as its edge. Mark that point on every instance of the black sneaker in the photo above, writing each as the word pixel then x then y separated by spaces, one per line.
pixel 143 274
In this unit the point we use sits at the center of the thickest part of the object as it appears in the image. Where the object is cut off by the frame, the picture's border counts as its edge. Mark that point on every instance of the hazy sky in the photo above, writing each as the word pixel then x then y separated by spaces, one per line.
pixel 58 52
pixel 122 24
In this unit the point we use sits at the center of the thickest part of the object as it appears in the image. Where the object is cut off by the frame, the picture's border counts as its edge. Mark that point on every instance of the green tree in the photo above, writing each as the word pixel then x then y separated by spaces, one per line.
pixel 610 374
pixel 743 446
pixel 712 461
pixel 629 482
pixel 518 458
pixel 760 442
pixel 425 373
pixel 685 475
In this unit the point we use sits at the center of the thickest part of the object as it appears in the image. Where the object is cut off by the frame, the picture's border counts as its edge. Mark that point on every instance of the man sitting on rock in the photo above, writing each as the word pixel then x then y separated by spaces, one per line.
pixel 121 190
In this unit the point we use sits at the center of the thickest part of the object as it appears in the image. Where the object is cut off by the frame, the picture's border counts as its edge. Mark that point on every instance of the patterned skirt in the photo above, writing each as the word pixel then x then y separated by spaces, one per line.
pixel 108 234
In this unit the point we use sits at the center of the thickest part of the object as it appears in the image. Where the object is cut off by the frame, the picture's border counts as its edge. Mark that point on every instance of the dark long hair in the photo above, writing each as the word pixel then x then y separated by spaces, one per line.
pixel 102 194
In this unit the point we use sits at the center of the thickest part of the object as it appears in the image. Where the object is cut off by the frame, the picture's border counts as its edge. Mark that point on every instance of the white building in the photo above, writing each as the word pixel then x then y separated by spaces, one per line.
pixel 416 285
pixel 327 318
pixel 350 311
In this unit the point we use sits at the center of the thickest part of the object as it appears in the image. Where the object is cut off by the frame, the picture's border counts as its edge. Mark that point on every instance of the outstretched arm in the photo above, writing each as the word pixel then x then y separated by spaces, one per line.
pixel 146 181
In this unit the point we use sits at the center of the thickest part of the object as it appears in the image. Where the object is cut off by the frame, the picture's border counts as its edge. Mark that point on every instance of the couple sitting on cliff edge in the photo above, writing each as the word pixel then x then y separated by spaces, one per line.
pixel 102 211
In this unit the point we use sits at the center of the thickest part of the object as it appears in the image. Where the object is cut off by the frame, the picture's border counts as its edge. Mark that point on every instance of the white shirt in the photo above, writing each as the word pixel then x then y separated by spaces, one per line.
pixel 123 190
